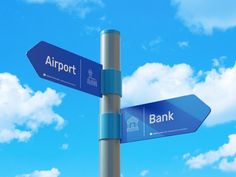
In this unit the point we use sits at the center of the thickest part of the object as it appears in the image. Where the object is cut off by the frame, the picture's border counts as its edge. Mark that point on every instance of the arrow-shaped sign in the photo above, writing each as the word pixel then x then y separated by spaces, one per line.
pixel 63 67
pixel 163 118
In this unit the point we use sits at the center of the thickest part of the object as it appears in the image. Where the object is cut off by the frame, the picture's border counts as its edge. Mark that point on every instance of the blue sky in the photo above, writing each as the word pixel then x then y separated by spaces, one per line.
pixel 168 49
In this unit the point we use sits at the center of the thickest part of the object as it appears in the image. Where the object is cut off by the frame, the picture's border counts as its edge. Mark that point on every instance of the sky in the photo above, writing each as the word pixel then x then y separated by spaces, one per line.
pixel 169 48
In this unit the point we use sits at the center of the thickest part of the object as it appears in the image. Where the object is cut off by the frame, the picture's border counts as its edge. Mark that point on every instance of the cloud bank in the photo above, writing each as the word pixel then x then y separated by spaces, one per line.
pixel 156 81
pixel 205 16
pixel 219 156
pixel 23 111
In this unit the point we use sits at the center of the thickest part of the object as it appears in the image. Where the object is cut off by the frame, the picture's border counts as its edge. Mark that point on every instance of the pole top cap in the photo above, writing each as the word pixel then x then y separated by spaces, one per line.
pixel 110 31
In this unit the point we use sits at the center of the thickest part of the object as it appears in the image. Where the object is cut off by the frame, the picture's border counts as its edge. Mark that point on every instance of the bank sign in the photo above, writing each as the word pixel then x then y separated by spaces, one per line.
pixel 163 118
pixel 63 67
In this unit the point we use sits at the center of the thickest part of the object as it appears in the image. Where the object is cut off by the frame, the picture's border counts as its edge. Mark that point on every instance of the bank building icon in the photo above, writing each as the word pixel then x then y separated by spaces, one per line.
pixel 132 124
pixel 90 80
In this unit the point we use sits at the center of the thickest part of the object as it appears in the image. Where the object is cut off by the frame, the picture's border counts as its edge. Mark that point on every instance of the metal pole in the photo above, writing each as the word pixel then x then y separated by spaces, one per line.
pixel 110 103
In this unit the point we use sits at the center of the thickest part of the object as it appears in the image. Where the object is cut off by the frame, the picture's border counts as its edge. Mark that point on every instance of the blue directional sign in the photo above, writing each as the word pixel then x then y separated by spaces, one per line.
pixel 63 67
pixel 163 118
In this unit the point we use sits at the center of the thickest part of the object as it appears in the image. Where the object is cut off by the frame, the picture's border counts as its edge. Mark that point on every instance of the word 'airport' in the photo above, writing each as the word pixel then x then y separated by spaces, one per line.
pixel 60 66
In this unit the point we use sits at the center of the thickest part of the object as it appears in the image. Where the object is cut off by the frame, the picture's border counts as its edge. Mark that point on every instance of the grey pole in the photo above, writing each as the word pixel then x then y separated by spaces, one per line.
pixel 110 103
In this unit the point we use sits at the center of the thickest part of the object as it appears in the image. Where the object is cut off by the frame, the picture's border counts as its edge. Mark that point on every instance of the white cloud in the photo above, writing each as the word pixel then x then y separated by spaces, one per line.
pixel 82 7
pixel 221 154
pixel 155 81
pixel 92 29
pixel 207 15
pixel 183 44
pixel 186 156
pixel 152 45
pixel 50 173
pixel 225 165
pixel 219 62
pixel 144 173
pixel 216 62
pixel 203 159
pixel 65 146
pixel 225 151
pixel 23 111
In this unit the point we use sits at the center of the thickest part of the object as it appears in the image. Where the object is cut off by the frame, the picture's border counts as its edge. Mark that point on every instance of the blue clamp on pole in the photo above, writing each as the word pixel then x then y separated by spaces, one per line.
pixel 110 124
pixel 111 82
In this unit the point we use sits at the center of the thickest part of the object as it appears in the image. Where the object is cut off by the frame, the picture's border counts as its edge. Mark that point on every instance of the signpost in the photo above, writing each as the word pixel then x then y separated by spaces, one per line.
pixel 153 120
pixel 66 68
pixel 163 118
pixel 109 138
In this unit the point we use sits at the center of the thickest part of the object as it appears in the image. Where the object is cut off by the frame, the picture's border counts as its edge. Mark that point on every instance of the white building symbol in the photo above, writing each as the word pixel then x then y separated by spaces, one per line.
pixel 132 124
pixel 90 80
